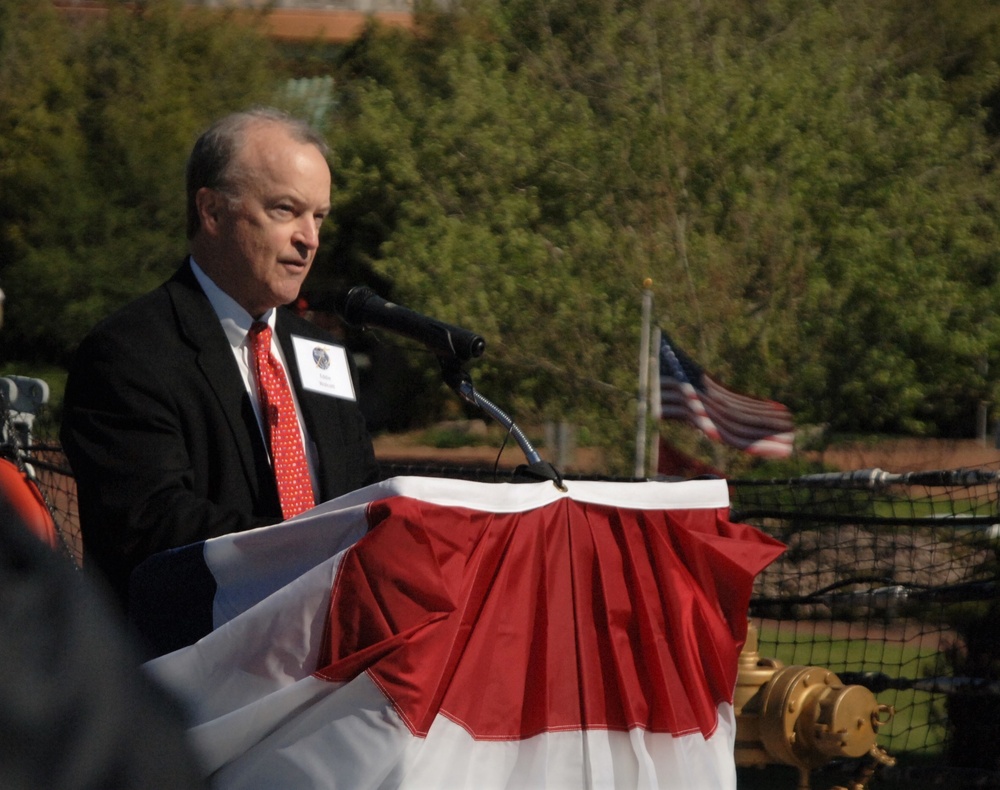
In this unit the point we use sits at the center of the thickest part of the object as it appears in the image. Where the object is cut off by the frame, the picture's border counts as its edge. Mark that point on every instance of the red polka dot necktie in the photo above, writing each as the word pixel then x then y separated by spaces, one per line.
pixel 291 471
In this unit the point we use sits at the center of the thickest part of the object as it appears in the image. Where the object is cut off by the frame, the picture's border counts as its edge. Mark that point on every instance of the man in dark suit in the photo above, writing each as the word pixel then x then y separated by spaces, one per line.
pixel 163 424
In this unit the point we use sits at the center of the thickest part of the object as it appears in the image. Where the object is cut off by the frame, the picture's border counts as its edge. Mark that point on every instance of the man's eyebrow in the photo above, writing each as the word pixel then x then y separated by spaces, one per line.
pixel 290 197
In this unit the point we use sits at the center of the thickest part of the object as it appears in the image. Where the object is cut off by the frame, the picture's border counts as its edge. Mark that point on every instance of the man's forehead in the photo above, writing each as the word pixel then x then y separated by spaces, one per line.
pixel 266 145
pixel 277 160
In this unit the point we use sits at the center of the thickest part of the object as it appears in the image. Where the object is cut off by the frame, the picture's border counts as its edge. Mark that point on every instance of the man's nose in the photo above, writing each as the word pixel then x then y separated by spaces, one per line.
pixel 307 233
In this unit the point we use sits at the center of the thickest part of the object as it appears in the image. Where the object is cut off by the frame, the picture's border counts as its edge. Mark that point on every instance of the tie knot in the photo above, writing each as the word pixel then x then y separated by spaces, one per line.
pixel 260 334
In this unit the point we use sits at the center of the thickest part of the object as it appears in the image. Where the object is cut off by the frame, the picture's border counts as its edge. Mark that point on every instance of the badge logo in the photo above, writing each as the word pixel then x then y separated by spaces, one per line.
pixel 321 358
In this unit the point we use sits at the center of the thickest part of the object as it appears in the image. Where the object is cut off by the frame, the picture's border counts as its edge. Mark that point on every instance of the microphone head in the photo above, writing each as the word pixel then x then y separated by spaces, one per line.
pixel 362 307
pixel 351 305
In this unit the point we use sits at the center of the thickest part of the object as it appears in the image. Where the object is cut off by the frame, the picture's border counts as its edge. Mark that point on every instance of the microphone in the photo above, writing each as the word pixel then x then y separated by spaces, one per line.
pixel 361 306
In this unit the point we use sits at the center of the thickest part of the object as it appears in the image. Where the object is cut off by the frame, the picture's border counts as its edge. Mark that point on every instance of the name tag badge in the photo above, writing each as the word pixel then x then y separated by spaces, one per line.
pixel 323 368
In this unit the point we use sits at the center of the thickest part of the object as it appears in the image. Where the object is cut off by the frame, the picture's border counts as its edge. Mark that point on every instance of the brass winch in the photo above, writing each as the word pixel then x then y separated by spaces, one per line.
pixel 804 717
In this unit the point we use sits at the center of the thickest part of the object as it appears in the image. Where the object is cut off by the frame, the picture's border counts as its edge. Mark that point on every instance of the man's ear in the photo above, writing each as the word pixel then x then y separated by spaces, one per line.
pixel 210 204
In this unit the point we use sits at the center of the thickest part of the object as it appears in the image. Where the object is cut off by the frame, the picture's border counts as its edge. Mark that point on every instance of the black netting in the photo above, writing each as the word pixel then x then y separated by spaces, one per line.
pixel 889 580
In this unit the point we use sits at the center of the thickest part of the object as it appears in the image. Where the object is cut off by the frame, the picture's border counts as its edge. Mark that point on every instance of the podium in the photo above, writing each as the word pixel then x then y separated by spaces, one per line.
pixel 427 633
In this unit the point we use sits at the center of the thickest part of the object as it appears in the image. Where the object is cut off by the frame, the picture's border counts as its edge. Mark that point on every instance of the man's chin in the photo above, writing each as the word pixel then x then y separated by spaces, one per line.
pixel 290 289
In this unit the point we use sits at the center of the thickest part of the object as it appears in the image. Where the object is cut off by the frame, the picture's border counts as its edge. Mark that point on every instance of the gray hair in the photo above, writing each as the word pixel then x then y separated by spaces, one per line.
pixel 212 161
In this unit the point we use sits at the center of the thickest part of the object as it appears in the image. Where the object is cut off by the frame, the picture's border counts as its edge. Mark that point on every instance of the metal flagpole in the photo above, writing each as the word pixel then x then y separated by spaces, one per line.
pixel 655 402
pixel 640 435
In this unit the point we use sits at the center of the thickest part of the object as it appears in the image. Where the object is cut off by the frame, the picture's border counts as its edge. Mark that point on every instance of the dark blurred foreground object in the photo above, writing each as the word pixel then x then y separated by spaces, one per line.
pixel 76 711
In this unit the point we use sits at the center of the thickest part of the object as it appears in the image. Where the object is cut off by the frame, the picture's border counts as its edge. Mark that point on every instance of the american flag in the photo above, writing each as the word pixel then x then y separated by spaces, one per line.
pixel 756 426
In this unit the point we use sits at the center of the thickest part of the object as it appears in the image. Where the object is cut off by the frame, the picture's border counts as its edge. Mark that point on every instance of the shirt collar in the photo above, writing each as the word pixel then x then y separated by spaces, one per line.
pixel 234 319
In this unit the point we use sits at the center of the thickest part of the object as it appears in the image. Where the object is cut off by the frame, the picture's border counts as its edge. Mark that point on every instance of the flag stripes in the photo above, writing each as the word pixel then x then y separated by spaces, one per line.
pixel 754 425
pixel 434 633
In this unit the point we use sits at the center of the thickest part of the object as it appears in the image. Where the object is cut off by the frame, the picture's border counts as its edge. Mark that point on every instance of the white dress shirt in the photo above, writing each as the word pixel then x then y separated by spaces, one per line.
pixel 236 323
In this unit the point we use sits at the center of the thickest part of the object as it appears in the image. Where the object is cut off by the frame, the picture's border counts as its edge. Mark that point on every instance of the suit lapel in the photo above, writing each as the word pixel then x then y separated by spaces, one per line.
pixel 200 327
pixel 321 414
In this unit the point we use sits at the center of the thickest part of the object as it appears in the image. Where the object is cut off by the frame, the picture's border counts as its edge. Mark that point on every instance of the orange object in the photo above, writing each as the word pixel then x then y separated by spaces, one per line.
pixel 23 495
pixel 289 24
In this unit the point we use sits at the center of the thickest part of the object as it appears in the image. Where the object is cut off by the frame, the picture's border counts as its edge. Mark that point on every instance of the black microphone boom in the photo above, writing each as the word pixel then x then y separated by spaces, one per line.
pixel 361 306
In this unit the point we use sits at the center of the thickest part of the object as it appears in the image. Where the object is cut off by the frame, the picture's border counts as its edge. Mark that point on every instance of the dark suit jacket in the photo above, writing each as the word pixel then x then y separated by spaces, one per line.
pixel 162 438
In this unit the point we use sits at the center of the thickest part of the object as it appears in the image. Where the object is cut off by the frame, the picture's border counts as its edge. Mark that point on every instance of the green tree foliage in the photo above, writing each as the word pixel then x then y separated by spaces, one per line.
pixel 470 187
pixel 809 183
pixel 97 122
pixel 813 200
pixel 42 150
